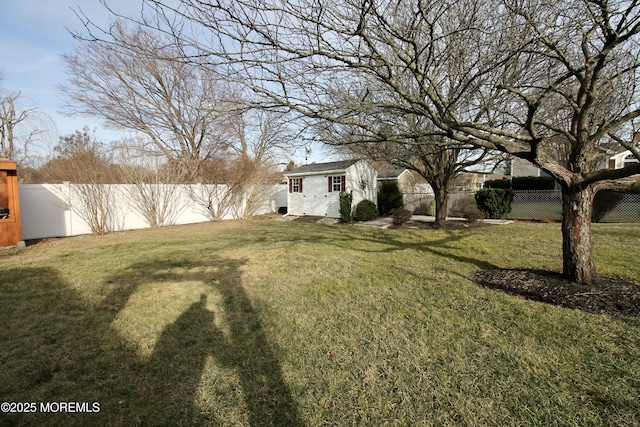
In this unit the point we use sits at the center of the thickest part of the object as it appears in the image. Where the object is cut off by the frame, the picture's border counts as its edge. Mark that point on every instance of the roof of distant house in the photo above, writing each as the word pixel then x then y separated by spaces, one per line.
pixel 390 173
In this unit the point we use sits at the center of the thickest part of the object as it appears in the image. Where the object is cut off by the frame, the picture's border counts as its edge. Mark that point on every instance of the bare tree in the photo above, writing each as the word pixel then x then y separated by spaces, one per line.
pixel 494 75
pixel 84 172
pixel 212 200
pixel 131 81
pixel 436 158
pixel 261 137
pixel 154 184
pixel 20 128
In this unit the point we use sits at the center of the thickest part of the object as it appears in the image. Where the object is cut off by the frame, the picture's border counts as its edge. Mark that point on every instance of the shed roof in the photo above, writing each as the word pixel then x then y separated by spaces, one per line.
pixel 317 168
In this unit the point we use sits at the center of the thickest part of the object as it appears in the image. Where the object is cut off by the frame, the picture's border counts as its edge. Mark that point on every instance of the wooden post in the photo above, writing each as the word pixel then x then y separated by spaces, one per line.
pixel 10 226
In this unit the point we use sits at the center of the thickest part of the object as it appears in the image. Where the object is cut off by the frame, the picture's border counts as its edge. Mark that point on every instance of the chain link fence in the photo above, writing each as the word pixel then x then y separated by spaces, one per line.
pixel 527 205
pixel 547 206
pixel 460 202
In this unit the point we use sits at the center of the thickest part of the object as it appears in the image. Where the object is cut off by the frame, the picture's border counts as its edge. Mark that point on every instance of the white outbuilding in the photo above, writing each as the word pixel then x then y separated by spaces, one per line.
pixel 314 189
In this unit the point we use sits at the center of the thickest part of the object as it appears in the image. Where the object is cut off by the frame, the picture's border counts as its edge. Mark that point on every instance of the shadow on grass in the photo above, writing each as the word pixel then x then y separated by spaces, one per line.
pixel 387 241
pixel 56 347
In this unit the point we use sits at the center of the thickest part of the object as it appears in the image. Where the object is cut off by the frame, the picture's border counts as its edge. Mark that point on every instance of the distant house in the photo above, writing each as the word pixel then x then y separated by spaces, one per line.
pixel 522 167
pixel 621 160
pixel 314 189
pixel 405 179
pixel 415 190
pixel 613 157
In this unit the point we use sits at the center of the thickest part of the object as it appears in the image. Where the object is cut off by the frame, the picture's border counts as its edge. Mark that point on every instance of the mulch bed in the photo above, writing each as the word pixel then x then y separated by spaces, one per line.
pixel 612 296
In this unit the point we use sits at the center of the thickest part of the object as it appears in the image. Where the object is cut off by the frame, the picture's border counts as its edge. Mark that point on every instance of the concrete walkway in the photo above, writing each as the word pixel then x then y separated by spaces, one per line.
pixel 385 222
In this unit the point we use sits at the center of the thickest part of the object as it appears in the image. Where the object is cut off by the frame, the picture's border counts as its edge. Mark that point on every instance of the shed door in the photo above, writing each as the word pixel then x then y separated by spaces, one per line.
pixel 315 192
pixel 315 204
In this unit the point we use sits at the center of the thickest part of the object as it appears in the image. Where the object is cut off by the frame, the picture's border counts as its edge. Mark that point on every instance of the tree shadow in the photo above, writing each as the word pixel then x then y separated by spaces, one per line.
pixel 388 241
pixel 80 356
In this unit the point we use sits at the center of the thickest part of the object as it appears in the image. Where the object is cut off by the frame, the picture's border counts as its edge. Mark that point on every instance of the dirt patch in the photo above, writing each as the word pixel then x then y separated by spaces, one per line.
pixel 612 296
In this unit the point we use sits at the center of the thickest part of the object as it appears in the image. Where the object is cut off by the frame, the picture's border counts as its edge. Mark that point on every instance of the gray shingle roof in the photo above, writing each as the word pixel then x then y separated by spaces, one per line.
pixel 315 168
pixel 390 173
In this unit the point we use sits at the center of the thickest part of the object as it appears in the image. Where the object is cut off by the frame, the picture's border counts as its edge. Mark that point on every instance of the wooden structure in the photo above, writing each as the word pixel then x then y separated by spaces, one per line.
pixel 10 227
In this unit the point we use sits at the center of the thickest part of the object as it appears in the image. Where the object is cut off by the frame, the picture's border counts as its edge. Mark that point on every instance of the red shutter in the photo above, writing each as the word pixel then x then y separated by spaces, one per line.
pixel 343 180
pixel 330 184
pixel 290 185
pixel 301 185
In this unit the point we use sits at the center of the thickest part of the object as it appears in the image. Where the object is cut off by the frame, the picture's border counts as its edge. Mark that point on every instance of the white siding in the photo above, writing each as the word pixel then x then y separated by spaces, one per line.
pixel 362 179
pixel 317 200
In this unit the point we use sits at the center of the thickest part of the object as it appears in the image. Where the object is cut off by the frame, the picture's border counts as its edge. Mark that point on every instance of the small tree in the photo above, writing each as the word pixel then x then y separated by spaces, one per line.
pixel 154 184
pixel 389 197
pixel 213 200
pixel 84 172
pixel 346 210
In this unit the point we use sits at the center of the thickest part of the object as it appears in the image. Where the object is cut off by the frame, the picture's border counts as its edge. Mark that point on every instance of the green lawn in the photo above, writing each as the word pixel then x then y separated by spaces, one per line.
pixel 284 323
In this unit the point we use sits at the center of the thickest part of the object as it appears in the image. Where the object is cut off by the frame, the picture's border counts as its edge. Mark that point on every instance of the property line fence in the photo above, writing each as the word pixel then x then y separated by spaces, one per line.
pixel 53 210
pixel 543 205
pixel 460 202
pixel 547 205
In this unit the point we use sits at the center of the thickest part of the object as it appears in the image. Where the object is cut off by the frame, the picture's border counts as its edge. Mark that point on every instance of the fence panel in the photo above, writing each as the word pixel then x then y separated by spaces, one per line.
pixel 547 205
pixel 50 210
pixel 628 210
pixel 539 205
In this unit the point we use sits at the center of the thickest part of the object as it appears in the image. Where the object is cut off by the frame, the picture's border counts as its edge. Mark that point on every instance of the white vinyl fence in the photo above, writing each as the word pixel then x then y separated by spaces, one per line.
pixel 51 210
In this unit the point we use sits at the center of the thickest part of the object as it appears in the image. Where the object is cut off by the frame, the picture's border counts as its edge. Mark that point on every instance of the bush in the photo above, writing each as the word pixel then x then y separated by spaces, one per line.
pixel 495 203
pixel 422 208
pixel 389 197
pixel 346 211
pixel 523 183
pixel 366 210
pixel 431 210
pixel 400 216
pixel 473 217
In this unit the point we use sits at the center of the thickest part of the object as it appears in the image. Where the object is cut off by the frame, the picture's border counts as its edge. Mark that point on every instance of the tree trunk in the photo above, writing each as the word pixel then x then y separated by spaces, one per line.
pixel 577 249
pixel 442 203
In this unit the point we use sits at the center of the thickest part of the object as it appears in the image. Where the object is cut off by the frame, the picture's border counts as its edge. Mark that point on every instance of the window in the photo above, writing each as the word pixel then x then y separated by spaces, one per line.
pixel 337 183
pixel 295 185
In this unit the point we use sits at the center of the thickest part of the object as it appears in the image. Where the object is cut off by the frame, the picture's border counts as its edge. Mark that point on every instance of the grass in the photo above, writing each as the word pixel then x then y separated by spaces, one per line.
pixel 274 323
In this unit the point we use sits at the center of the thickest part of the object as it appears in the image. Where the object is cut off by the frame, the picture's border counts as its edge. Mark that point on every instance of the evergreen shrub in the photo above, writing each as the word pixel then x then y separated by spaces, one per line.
pixel 346 211
pixel 366 210
pixel 389 197
pixel 494 203
pixel 523 183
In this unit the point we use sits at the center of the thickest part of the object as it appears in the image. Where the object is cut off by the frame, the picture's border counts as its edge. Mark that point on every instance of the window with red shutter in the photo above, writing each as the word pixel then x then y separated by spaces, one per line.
pixel 335 184
pixel 295 185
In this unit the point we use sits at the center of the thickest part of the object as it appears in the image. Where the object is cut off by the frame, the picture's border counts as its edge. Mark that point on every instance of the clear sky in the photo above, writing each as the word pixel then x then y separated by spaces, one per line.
pixel 34 34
